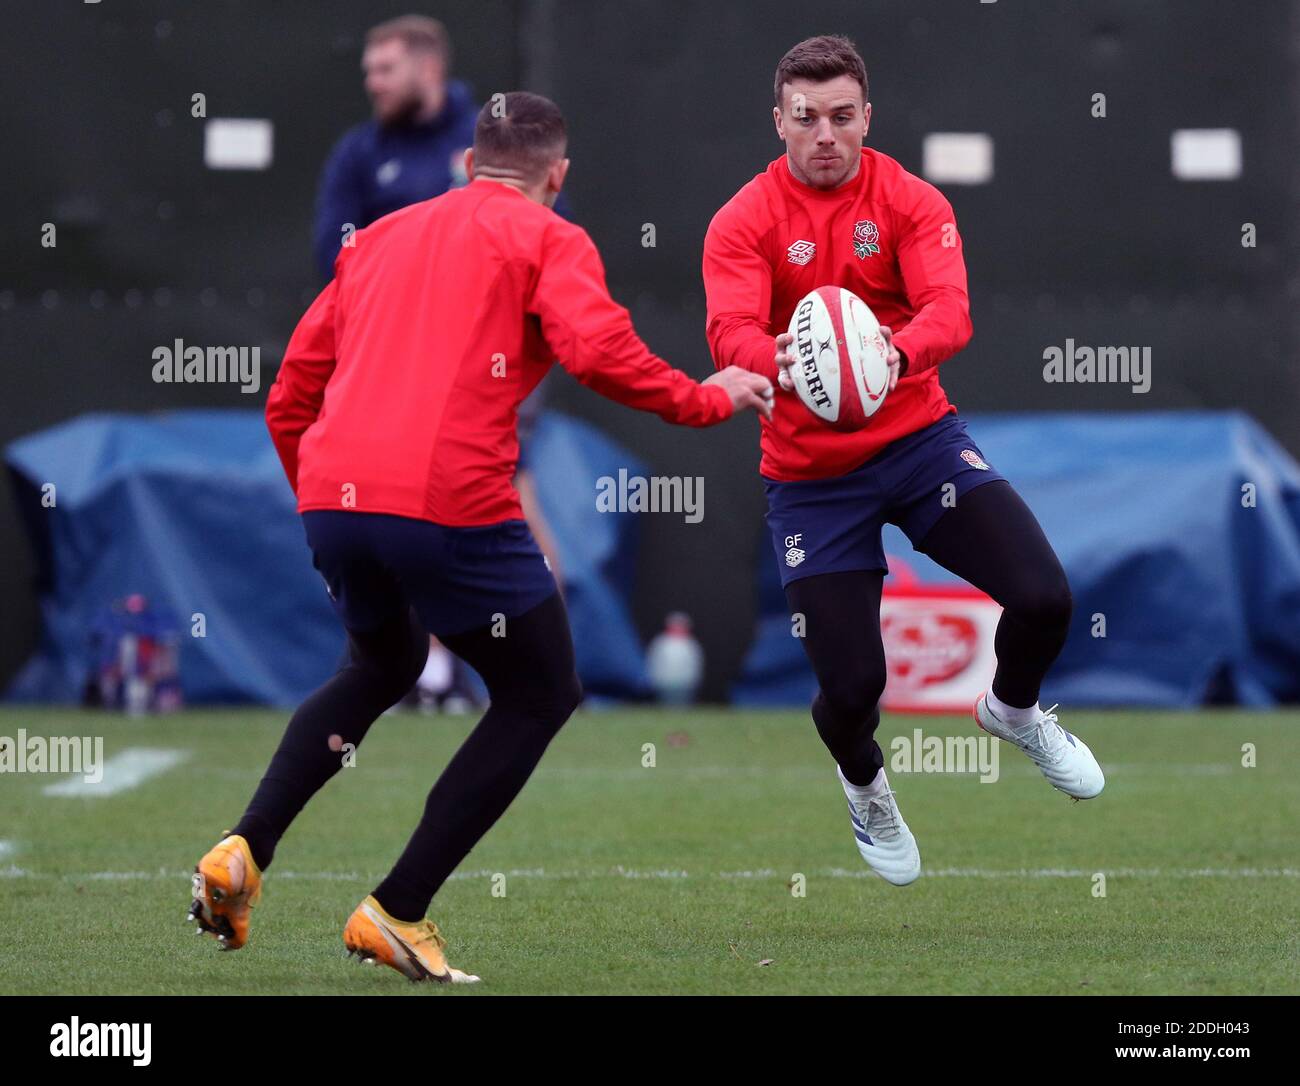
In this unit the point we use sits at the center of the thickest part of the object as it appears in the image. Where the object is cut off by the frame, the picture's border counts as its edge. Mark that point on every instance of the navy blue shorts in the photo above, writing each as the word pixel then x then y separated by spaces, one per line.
pixel 833 525
pixel 458 579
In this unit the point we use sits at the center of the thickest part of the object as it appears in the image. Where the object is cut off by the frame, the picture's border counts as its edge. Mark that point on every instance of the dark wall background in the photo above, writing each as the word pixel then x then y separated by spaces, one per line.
pixel 1083 232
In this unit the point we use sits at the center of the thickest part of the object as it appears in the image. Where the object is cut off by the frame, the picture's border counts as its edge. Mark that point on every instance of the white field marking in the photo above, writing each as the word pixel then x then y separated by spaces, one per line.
pixel 628 773
pixel 10 871
pixel 1163 769
pixel 1080 873
pixel 122 772
pixel 620 872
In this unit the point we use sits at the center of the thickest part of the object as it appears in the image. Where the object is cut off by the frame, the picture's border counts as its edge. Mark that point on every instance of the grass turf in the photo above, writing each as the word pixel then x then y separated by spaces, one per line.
pixel 676 879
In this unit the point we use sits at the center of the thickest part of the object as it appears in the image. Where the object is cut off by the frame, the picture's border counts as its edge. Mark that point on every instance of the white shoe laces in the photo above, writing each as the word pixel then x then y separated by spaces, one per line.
pixel 1051 736
pixel 880 825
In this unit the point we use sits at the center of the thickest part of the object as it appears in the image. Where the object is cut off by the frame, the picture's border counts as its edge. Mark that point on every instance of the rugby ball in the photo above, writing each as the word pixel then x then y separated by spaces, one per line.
pixel 841 361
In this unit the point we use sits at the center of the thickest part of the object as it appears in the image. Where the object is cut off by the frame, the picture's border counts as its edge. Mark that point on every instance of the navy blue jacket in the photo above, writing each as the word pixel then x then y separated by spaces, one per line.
pixel 374 171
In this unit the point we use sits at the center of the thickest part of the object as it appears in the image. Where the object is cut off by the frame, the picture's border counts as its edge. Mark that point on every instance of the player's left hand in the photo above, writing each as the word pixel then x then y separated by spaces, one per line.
pixel 894 359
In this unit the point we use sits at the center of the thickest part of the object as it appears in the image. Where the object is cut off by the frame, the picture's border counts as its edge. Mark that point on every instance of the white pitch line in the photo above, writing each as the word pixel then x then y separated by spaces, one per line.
pixel 1023 770
pixel 1080 873
pixel 11 871
pixel 122 772
pixel 677 875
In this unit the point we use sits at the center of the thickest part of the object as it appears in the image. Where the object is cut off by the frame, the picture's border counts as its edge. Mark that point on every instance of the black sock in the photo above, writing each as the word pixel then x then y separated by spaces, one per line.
pixel 841 637
pixel 991 539
pixel 383 666
pixel 475 789
pixel 533 688
pixel 261 839
pixel 851 739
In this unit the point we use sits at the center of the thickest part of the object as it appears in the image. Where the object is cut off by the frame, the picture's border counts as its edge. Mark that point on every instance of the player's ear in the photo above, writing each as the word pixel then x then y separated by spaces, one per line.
pixel 866 118
pixel 556 175
pixel 776 119
pixel 469 163
pixel 554 181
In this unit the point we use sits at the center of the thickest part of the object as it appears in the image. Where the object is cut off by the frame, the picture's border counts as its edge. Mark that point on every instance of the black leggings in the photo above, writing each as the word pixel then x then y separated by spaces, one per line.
pixel 533 688
pixel 989 539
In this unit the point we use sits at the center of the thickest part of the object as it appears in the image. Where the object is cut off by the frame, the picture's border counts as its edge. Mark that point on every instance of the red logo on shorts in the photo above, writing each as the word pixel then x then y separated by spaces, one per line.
pixel 974 459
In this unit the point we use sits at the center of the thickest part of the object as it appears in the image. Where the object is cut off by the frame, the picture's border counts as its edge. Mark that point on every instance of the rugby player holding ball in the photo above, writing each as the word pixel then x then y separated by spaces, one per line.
pixel 831 212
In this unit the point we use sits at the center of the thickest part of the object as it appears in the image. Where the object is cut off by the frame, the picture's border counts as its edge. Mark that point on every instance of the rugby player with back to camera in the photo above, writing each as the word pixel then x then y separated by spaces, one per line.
pixel 831 212
pixel 394 414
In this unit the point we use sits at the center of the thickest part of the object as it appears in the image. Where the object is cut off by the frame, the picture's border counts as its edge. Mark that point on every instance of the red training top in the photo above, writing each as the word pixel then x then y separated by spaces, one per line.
pixel 399 388
pixel 887 236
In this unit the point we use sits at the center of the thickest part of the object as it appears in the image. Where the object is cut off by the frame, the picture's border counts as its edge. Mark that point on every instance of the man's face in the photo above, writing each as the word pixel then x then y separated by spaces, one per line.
pixel 396 78
pixel 823 125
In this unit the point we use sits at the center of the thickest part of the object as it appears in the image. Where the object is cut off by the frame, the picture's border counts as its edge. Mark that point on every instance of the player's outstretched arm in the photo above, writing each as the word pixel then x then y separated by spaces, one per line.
pixel 593 338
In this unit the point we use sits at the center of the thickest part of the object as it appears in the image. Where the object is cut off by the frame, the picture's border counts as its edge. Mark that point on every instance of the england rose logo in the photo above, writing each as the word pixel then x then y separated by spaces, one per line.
pixel 865 236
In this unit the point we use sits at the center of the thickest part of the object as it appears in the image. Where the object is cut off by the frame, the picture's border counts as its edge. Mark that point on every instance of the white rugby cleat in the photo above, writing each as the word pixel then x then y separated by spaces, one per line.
pixel 883 837
pixel 1064 759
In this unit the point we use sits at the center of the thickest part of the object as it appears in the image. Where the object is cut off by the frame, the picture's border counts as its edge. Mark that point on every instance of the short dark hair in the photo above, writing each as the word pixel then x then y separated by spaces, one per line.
pixel 521 131
pixel 820 59
pixel 419 33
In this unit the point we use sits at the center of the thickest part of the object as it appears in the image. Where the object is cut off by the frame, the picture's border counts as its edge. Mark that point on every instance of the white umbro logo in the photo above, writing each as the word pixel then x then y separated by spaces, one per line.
pixel 801 252
pixel 794 556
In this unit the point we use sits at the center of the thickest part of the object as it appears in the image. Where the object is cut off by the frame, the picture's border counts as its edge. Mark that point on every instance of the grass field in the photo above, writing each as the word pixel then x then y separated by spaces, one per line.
pixel 624 879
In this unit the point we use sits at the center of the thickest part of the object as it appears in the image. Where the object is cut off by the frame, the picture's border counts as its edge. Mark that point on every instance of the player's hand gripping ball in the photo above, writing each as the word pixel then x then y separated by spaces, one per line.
pixel 840 358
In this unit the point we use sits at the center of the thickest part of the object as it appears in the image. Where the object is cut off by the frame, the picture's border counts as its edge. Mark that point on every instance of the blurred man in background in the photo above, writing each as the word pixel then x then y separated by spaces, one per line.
pixel 414 146
pixel 413 149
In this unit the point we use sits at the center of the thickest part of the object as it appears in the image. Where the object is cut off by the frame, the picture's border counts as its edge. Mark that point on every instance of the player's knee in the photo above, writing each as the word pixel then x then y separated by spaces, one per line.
pixel 391 673
pixel 551 702
pixel 389 679
pixel 416 661
pixel 1047 605
pixel 854 696
pixel 569 696
pixel 566 697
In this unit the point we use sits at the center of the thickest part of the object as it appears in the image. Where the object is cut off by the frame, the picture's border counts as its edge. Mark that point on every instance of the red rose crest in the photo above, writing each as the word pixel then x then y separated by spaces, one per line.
pixel 865 236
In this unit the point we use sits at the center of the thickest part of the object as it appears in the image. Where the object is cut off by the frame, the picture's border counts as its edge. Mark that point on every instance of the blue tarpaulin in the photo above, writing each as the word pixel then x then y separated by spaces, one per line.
pixel 1182 530
pixel 192 510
